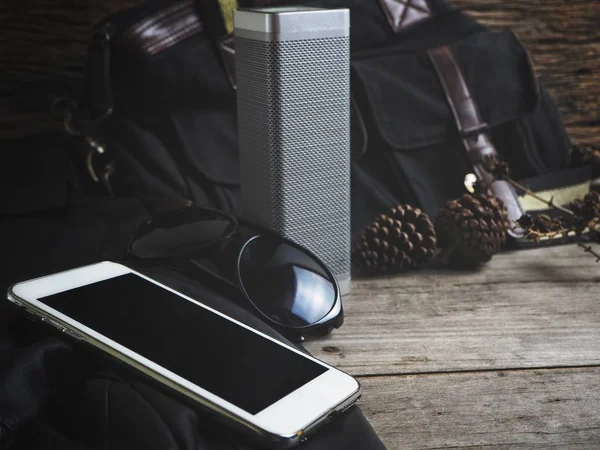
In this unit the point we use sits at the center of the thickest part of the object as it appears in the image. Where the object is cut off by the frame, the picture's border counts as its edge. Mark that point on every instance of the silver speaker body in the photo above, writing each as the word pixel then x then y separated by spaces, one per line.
pixel 293 95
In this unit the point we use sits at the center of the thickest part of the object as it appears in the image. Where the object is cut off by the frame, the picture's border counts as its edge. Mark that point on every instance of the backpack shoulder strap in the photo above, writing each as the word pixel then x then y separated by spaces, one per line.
pixel 473 130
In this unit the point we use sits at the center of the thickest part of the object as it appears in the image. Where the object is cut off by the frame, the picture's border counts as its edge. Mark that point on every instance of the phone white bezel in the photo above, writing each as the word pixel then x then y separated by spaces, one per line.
pixel 331 391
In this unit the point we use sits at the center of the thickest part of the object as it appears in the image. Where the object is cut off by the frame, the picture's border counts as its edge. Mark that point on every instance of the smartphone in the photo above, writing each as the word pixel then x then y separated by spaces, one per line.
pixel 270 390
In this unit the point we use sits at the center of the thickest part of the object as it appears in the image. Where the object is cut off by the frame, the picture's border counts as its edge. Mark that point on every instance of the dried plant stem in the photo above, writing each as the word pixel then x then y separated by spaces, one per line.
pixel 589 249
pixel 538 235
pixel 585 215
pixel 529 192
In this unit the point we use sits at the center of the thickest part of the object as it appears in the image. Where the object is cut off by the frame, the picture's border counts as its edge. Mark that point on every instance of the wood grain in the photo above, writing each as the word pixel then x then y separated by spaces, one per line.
pixel 499 410
pixel 534 308
pixel 563 38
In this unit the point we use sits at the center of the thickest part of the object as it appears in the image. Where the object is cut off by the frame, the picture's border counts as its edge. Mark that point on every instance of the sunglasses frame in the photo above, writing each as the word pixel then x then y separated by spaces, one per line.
pixel 187 262
pixel 336 310
pixel 163 218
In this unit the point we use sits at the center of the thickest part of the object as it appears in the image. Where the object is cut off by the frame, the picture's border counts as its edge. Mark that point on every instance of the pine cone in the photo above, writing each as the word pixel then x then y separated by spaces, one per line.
pixel 472 228
pixel 403 238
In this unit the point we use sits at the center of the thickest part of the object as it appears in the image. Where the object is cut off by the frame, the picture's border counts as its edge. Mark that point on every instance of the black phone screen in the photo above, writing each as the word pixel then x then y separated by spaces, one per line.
pixel 214 353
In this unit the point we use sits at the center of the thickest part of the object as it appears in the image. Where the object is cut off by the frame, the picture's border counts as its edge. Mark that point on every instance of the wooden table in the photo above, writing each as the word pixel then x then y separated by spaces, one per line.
pixel 504 357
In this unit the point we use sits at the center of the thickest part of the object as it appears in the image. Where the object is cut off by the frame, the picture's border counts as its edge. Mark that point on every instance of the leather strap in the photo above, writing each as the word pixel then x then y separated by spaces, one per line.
pixel 183 19
pixel 163 29
pixel 473 129
pixel 178 21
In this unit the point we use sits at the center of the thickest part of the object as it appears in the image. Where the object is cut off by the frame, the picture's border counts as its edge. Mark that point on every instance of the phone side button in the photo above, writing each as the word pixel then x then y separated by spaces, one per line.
pixel 50 322
pixel 71 334
pixel 31 316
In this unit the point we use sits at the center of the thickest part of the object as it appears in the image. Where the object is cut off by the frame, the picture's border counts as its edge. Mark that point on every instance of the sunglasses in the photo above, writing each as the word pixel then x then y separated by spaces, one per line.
pixel 278 280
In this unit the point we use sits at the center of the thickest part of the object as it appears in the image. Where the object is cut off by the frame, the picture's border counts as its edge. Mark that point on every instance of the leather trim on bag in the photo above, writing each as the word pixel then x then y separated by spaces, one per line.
pixel 474 131
pixel 163 29
pixel 402 14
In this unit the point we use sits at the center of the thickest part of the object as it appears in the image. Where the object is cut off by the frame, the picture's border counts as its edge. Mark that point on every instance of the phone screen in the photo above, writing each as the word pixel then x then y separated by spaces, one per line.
pixel 214 353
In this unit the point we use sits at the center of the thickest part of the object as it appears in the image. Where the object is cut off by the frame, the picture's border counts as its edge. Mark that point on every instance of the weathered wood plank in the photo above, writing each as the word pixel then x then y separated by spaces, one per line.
pixel 563 38
pixel 499 410
pixel 534 308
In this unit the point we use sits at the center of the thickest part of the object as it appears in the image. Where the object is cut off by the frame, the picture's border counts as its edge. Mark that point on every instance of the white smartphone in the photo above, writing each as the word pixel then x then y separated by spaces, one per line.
pixel 271 390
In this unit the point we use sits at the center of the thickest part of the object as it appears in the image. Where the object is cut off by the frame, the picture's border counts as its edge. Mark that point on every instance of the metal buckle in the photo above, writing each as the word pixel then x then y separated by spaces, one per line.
pixel 107 170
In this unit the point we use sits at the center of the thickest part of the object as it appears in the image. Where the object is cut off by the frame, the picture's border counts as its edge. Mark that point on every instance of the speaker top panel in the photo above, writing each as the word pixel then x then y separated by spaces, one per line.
pixel 291 23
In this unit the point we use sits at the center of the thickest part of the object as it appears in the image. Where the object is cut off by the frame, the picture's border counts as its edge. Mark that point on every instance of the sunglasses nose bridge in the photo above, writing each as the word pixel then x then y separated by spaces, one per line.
pixel 180 233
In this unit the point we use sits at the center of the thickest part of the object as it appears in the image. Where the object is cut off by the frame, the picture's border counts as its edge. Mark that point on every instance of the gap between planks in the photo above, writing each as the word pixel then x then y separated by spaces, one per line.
pixel 467 372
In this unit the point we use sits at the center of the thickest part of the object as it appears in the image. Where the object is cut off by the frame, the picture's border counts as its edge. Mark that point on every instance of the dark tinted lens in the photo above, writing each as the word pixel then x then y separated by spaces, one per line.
pixel 180 233
pixel 285 283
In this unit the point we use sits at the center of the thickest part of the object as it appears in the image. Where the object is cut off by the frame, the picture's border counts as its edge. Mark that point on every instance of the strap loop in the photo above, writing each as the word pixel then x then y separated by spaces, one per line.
pixel 475 130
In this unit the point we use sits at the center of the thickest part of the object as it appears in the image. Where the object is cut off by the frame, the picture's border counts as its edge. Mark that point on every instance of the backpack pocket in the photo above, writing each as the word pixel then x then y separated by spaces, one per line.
pixel 414 145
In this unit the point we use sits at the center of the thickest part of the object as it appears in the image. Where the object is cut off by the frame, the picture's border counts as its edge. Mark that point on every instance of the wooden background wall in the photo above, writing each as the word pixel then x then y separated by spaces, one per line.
pixel 563 37
pixel 43 41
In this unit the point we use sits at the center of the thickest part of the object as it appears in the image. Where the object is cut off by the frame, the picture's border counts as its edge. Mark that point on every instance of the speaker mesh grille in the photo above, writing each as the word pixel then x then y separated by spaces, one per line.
pixel 294 129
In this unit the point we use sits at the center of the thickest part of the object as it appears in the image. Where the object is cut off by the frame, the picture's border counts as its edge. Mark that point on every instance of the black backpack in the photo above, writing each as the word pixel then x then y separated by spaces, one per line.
pixel 433 91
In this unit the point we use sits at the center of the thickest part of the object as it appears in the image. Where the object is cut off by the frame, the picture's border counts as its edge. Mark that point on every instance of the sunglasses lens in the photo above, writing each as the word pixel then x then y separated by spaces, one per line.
pixel 288 285
pixel 180 232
